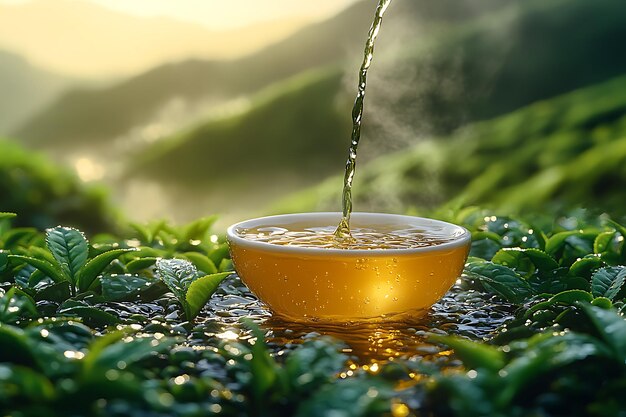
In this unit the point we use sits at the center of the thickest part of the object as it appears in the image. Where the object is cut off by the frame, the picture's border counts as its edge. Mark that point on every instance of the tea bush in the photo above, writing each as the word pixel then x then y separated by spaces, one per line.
pixel 84 333
pixel 45 194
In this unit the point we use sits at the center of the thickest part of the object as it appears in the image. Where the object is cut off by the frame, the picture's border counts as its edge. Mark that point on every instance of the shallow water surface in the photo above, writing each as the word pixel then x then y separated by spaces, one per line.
pixel 463 312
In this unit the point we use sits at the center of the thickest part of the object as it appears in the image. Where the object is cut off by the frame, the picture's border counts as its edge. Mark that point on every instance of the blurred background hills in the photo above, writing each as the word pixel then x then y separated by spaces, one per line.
pixel 519 105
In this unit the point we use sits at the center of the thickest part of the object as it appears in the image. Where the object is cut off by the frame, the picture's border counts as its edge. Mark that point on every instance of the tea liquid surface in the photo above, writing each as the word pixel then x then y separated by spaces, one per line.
pixel 368 238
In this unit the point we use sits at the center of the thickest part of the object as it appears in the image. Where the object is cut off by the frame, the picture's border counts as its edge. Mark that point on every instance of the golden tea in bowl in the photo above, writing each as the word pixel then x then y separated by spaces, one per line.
pixel 390 267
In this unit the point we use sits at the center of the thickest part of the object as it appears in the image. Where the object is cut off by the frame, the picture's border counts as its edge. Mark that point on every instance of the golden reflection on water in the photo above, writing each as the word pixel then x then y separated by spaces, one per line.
pixel 366 343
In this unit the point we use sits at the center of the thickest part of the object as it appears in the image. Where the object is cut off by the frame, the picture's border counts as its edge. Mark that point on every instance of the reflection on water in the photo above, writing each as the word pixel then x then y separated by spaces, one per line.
pixel 460 312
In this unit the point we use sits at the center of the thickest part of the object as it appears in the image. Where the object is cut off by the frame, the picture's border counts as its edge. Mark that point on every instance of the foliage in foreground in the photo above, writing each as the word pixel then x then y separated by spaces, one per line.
pixel 564 353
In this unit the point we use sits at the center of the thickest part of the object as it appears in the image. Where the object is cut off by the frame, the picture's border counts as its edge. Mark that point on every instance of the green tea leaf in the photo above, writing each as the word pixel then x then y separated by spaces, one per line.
pixel 5 216
pixel 178 275
pixel 611 327
pixel 584 267
pixel 140 263
pixel 58 291
pixel 474 355
pixel 603 242
pixel 32 386
pixel 198 229
pixel 607 282
pixel 119 350
pixel 46 267
pixel 566 247
pixel 571 297
pixel 91 315
pixel 16 304
pixel 484 248
pixel 515 259
pixel 15 347
pixel 351 397
pixel 201 290
pixel 4 260
pixel 123 287
pixel 19 236
pixel 70 248
pixel 602 302
pixel 226 265
pixel 500 280
pixel 314 363
pixel 219 253
pixel 87 275
pixel 265 370
pixel 622 231
pixel 201 262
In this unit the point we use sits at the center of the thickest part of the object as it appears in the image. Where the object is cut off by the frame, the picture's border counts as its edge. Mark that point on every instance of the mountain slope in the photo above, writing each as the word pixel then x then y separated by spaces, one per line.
pixel 280 134
pixel 83 116
pixel 570 150
pixel 25 89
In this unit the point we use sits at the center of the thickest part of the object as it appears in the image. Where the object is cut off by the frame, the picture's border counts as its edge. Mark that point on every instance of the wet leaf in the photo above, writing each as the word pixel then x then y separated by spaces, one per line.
pixel 607 282
pixel 4 260
pixel 201 262
pixel 58 291
pixel 6 216
pixel 47 268
pixel 30 386
pixel 141 263
pixel 178 275
pixel 567 247
pixel 87 275
pixel 91 315
pixel 200 291
pixel 70 249
pixel 120 350
pixel 474 355
pixel 198 229
pixel 611 327
pixel 15 304
pixel 500 280
pixel 584 267
pixel 123 287
pixel 603 242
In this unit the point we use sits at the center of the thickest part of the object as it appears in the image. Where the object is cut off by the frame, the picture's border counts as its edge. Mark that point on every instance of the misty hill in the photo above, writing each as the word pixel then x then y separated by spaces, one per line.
pixel 280 137
pixel 24 89
pixel 567 151
pixel 395 105
pixel 85 39
pixel 528 51
pixel 88 115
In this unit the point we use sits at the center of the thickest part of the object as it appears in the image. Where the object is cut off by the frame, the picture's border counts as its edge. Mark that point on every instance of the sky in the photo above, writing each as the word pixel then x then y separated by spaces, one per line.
pixel 222 14
pixel 102 39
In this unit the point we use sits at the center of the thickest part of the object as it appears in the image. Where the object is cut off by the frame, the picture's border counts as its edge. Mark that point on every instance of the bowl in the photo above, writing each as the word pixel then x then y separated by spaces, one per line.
pixel 348 285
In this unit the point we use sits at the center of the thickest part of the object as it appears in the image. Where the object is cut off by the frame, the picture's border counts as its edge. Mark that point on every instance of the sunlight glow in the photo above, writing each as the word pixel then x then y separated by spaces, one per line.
pixel 88 170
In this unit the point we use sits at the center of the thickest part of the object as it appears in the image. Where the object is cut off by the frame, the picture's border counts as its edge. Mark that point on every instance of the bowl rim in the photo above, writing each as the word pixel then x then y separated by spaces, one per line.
pixel 233 238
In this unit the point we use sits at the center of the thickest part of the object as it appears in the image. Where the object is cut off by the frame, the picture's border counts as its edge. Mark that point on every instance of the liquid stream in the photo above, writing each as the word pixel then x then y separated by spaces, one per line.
pixel 342 231
pixel 361 238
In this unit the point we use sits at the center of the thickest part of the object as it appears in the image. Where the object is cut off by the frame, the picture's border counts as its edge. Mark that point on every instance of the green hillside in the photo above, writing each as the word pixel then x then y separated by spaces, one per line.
pixel 24 89
pixel 281 134
pixel 528 51
pixel 85 115
pixel 570 150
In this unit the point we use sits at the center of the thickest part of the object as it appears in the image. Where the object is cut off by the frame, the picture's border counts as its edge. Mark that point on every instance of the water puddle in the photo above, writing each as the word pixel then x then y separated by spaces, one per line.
pixel 460 312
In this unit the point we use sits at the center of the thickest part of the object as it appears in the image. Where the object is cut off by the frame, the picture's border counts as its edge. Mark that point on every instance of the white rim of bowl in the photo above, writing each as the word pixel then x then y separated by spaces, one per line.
pixel 460 240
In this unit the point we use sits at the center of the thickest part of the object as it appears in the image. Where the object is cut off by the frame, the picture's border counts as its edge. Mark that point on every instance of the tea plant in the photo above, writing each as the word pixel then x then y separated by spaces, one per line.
pixel 184 281
pixel 97 343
